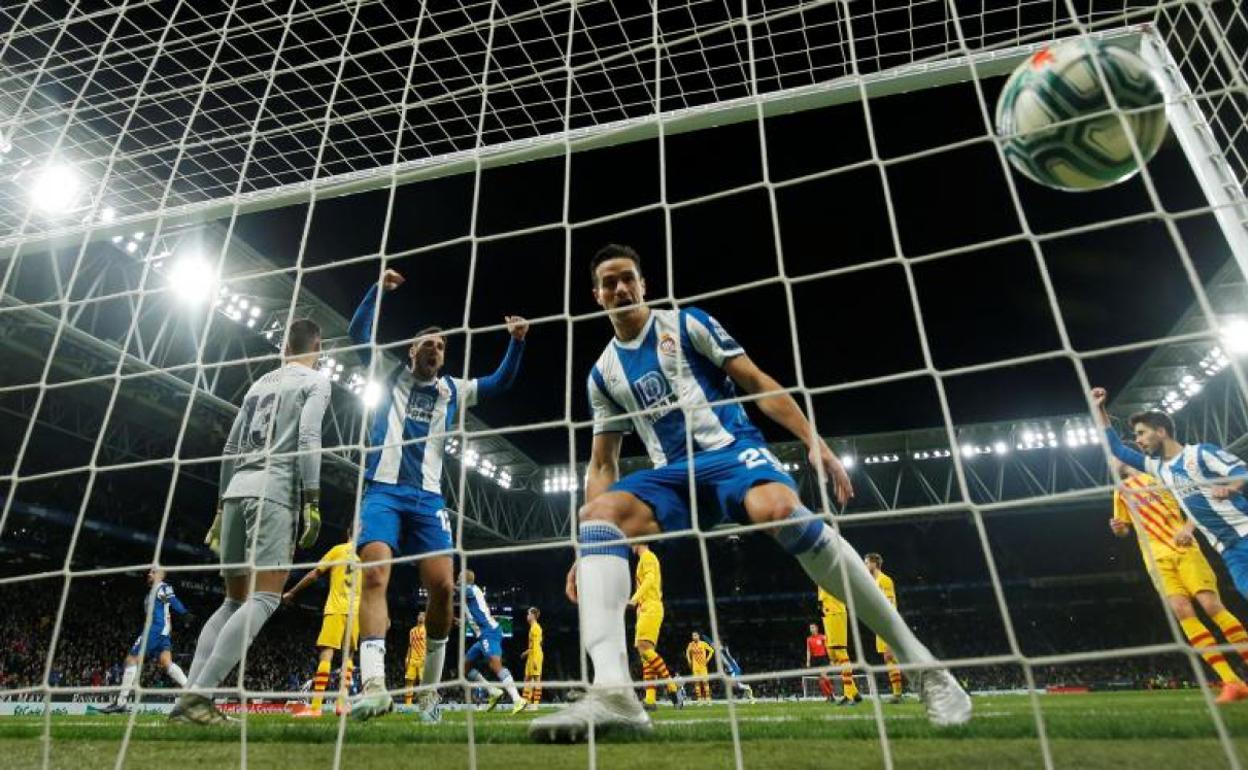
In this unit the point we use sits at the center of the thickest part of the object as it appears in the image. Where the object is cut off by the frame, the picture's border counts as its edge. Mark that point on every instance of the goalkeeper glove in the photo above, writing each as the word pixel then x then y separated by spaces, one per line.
pixel 213 538
pixel 311 518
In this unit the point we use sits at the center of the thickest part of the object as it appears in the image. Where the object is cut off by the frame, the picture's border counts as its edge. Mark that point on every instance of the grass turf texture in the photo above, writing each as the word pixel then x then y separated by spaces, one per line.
pixel 1135 730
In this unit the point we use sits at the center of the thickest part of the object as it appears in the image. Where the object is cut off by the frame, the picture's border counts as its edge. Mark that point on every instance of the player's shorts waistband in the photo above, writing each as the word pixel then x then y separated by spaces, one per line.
pixel 405 492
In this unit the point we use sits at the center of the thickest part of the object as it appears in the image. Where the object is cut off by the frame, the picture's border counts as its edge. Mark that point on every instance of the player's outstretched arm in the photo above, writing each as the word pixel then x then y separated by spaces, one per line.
pixel 361 328
pixel 505 375
pixel 1132 457
pixel 310 577
pixel 783 409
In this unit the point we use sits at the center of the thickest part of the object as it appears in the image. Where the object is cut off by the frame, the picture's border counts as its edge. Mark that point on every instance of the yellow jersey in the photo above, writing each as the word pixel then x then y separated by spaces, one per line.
pixel 416 642
pixel 649 582
pixel 830 604
pixel 343 596
pixel 1157 518
pixel 886 585
pixel 535 639
pixel 699 653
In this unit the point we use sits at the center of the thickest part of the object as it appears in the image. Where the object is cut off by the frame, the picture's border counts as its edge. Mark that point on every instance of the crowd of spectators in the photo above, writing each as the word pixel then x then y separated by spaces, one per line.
pixel 104 614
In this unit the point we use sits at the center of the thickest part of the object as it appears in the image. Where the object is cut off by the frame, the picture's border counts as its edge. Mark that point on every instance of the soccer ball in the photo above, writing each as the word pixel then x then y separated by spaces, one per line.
pixel 1087 149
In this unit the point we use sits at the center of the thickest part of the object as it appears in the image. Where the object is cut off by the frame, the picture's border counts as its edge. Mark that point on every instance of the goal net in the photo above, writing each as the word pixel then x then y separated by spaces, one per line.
pixel 180 182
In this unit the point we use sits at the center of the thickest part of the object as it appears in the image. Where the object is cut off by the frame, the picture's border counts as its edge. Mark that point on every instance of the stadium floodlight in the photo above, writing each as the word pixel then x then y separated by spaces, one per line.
pixel 1000 447
pixel 370 394
pixel 255 312
pixel 55 190
pixel 191 278
pixel 848 462
pixel 108 214
pixel 1235 336
pixel 131 247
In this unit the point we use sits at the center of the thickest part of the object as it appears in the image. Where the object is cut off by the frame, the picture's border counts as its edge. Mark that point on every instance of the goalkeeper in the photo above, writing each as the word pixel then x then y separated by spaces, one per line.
pixel 270 476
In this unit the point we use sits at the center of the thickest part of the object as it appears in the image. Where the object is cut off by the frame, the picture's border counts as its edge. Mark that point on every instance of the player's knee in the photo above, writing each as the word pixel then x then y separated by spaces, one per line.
pixel 601 508
pixel 774 508
pixel 376 578
pixel 1182 607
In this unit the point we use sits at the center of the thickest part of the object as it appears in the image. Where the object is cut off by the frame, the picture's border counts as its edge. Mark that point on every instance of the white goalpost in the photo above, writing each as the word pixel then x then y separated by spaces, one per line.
pixel 141 143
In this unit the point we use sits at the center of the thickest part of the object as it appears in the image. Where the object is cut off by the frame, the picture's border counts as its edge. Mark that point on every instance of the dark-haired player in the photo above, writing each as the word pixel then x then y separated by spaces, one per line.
pixel 1207 480
pixel 672 376
pixel 402 510
pixel 270 479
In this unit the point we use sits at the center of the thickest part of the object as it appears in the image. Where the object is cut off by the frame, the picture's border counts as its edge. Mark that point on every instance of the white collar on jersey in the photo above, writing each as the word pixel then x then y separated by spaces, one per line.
pixel 635 342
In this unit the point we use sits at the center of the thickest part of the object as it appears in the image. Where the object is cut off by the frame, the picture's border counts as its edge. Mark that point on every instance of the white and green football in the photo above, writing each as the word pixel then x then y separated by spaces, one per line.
pixel 1058 125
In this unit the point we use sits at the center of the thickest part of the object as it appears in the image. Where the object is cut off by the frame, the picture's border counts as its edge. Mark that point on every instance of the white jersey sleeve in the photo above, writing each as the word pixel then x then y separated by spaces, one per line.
pixel 608 417
pixel 1220 462
pixel 466 391
pixel 710 338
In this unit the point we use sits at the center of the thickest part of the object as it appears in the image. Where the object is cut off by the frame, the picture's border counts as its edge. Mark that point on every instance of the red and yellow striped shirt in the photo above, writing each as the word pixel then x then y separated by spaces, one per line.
pixel 1152 510
pixel 699 653
pixel 416 643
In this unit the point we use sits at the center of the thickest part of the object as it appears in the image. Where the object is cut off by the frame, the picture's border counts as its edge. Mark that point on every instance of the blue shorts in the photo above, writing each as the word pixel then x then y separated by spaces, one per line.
pixel 724 476
pixel 1236 560
pixel 489 645
pixel 410 520
pixel 156 644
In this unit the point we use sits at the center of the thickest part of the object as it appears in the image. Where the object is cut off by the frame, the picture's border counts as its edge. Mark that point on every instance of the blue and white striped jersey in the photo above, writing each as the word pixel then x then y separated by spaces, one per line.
pixel 412 419
pixel 661 384
pixel 1191 475
pixel 163 600
pixel 479 611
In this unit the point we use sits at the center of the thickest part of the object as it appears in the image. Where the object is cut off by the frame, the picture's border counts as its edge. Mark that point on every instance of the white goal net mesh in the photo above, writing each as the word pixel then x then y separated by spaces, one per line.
pixel 180 181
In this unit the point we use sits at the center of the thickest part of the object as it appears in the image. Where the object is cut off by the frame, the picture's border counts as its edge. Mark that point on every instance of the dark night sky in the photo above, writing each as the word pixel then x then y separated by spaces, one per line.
pixel 1114 286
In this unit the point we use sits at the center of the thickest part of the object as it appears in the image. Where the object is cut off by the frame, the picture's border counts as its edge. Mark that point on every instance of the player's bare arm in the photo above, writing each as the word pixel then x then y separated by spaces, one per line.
pixel 1119 527
pixel 307 580
pixel 604 464
pixel 783 409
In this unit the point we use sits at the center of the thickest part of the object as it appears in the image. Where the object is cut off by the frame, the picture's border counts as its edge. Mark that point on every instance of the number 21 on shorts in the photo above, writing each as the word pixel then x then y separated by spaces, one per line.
pixel 754 457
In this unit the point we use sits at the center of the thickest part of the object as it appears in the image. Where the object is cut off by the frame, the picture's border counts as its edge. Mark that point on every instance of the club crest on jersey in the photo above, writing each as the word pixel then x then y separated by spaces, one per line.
pixel 667 344
pixel 421 407
pixel 654 392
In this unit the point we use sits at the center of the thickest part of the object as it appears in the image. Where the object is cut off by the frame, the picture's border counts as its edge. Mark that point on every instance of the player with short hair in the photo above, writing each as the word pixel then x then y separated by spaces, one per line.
pixel 836 626
pixel 157 639
pixel 488 648
pixel 698 655
pixel 671 376
pixel 1178 568
pixel 733 669
pixel 414 665
pixel 342 604
pixel 817 657
pixel 875 564
pixel 270 488
pixel 1207 481
pixel 647 600
pixel 533 659
pixel 402 510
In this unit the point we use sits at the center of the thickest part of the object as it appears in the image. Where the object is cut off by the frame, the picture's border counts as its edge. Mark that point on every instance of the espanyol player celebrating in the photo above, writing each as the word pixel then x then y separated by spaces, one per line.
pixel 1207 480
pixel 402 509
pixel 669 376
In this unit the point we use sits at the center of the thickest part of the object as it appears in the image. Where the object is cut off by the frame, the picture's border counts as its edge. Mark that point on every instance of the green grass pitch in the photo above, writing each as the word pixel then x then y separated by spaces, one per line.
pixel 1123 730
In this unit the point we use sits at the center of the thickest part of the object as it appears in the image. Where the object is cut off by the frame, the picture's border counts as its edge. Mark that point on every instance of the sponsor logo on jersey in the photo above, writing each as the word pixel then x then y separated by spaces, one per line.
pixel 420 408
pixel 654 392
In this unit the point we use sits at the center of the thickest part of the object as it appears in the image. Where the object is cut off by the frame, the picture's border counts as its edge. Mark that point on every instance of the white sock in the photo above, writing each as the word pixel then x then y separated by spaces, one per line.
pixel 476 676
pixel 820 551
pixel 127 683
pixel 373 661
pixel 435 660
pixel 175 673
pixel 602 586
pixel 509 684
